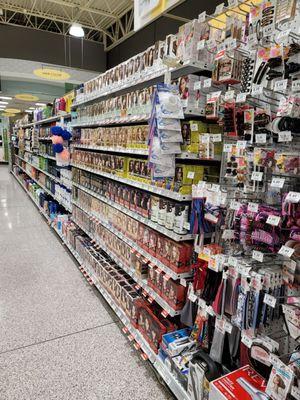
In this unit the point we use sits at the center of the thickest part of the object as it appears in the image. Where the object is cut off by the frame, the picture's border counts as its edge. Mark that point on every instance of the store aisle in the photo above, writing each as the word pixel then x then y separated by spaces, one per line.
pixel 58 337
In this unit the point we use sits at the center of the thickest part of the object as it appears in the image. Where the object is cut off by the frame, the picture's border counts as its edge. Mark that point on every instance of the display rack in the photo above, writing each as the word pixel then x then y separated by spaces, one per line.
pixel 46 120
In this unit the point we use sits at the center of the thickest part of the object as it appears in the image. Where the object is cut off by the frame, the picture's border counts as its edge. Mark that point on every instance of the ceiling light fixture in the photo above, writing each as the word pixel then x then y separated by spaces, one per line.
pixel 26 97
pixel 5 98
pixel 51 74
pixel 76 30
pixel 40 104
pixel 29 111
pixel 31 108
pixel 13 110
pixel 3 102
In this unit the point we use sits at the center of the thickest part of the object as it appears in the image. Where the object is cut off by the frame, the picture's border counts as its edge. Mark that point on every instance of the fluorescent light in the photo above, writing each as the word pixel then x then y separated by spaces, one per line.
pixel 40 104
pixel 3 102
pixel 76 30
pixel 29 111
pixel 5 98
pixel 2 107
pixel 31 108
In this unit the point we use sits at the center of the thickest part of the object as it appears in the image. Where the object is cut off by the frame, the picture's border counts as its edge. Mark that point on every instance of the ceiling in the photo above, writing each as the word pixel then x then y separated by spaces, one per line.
pixel 107 21
pixel 17 77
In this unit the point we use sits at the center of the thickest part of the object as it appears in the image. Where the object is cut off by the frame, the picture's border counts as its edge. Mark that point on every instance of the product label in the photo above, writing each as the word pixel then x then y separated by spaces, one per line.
pixel 285 136
pixel 256 90
pixel 229 95
pixel 258 255
pixel 286 251
pixel 280 86
pixel 227 148
pixel 273 220
pixel 293 197
pixel 277 182
pixel 257 176
pixel 207 83
pixel 241 97
pixel 201 44
pixel 296 85
pixel 270 300
pixel 216 137
pixel 261 138
pixel 253 207
pixel 190 174
pixel 235 205
pixel 241 144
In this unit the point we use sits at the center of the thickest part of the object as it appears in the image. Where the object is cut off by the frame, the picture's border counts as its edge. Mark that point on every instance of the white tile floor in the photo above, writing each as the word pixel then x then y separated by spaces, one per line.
pixel 58 338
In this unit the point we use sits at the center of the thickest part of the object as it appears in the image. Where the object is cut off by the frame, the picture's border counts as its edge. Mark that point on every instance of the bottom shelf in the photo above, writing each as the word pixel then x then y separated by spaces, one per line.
pixel 133 333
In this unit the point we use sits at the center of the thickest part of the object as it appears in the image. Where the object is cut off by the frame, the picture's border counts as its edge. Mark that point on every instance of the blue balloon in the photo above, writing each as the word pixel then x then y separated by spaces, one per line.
pixel 66 135
pixel 56 130
pixel 57 148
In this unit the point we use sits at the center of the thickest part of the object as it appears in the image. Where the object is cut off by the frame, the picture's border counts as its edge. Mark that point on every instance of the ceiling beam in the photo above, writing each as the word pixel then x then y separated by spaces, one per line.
pixel 84 8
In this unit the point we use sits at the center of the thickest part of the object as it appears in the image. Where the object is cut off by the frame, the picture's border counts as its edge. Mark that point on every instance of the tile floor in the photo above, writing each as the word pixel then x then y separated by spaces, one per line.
pixel 58 337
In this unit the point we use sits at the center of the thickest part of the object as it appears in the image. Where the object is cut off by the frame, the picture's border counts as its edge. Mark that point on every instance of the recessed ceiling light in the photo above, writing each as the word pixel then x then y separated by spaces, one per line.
pixel 5 98
pixel 51 74
pixel 40 104
pixel 26 97
pixel 29 111
pixel 3 102
pixel 76 30
pixel 13 110
pixel 31 108
pixel 2 106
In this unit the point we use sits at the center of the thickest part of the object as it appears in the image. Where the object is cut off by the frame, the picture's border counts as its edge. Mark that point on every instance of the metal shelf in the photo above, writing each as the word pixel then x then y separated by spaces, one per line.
pixel 138 217
pixel 46 120
pixel 140 152
pixel 47 156
pixel 144 186
pixel 174 275
pixel 41 170
pixel 150 79
pixel 97 121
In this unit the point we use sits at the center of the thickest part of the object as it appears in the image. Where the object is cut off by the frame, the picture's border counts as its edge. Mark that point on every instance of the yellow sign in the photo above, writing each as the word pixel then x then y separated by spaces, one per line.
pixel 9 114
pixel 12 110
pixel 26 97
pixel 51 74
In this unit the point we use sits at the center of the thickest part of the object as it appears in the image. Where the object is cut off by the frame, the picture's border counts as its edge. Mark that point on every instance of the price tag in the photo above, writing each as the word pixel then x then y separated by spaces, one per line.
pixel 192 297
pixel 280 86
pixel 219 9
pixel 235 205
pixel 202 304
pixel 233 3
pixel 256 89
pixel 241 97
pixel 187 226
pixel 227 148
pixel 204 139
pixel 220 325
pixel 293 197
pixel 277 182
pixel 216 137
pixel 229 95
pixel 215 187
pixel 228 234
pixel 210 311
pixel 261 138
pixel 231 44
pixel 273 220
pixel 258 255
pixel 241 144
pixel 257 176
pixel 194 127
pixel 270 300
pixel 201 44
pixel 286 251
pixel 247 340
pixel 183 282
pixel 285 136
pixel 253 207
pixel 296 85
pixel 190 174
pixel 202 17
pixel 228 327
pixel 207 83
pixel 295 392
pixel 268 30
pixel 197 85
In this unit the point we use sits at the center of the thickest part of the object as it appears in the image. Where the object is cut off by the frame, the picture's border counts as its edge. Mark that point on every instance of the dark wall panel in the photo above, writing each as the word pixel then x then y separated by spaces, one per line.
pixel 158 30
pixel 46 47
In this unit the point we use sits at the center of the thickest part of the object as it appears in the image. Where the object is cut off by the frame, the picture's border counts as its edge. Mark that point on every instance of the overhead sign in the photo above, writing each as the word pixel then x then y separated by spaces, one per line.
pixel 146 11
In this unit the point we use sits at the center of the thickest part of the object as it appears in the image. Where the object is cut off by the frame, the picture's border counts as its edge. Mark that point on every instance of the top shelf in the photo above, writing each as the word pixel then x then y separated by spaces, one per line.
pixel 189 67
pixel 46 120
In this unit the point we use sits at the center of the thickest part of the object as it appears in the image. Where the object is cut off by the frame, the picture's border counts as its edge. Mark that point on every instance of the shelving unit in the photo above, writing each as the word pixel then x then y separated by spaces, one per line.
pixel 46 120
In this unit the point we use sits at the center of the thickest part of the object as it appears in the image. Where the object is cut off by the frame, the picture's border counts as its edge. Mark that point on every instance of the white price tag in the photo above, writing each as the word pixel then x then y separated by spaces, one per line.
pixel 187 226
pixel 295 392
pixel 253 207
pixel 277 182
pixel 207 83
pixel 233 3
pixel 219 9
pixel 235 205
pixel 273 220
pixel 257 176
pixel 194 127
pixel 201 44
pixel 258 256
pixel 204 139
pixel 197 85
pixel 247 340
pixel 220 325
pixel 217 137
pixel 285 136
pixel 202 17
pixel 190 174
pixel 286 251
pixel 227 148
pixel 256 89
pixel 280 86
pixel 270 300
pixel 228 234
pixel 183 282
pixel 296 85
pixel 241 144
pixel 268 30
pixel 241 97
pixel 293 197
pixel 210 311
pixel 202 304
pixel 229 95
pixel 215 187
pixel 228 327
pixel 192 297
pixel 261 138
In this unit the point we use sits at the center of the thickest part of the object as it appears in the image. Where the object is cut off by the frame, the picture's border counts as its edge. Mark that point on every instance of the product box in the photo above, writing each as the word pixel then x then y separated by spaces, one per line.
pixel 188 95
pixel 244 383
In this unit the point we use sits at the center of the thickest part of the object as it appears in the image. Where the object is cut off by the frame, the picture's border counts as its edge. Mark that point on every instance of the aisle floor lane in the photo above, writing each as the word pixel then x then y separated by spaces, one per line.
pixel 58 337
pixel 92 365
